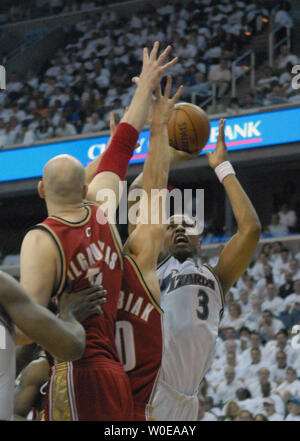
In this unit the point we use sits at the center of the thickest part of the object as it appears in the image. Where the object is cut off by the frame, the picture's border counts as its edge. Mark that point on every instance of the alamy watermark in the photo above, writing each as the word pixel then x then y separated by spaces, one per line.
pixel 2 78
pixel 154 208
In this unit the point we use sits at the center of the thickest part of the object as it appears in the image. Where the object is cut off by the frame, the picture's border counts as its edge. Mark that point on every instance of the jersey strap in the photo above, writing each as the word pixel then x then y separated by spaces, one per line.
pixel 144 284
pixel 63 266
pixel 163 261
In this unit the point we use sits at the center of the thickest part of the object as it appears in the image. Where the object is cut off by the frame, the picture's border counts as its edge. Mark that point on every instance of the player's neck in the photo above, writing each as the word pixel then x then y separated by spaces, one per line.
pixel 70 212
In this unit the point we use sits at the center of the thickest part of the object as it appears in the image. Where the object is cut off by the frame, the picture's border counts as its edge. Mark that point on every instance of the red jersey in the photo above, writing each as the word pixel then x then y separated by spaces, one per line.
pixel 139 335
pixel 90 254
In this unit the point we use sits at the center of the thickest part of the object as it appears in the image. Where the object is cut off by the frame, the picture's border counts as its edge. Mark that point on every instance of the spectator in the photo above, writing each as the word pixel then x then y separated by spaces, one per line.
pixel 292 317
pixel 287 287
pixel 233 318
pixel 231 411
pixel 26 135
pixel 269 326
pixel 220 76
pixel 291 300
pixel 269 78
pixel 273 303
pixel 294 409
pixel 290 386
pixel 269 407
pixel 234 107
pixel 65 129
pixel 281 265
pixel 244 302
pixel 203 415
pixel 276 228
pixel 287 216
pixel 260 417
pixel 44 130
pixel 245 415
pixel 283 17
pixel 278 372
pixel 94 124
pixel 281 343
pixel 226 390
pixel 285 57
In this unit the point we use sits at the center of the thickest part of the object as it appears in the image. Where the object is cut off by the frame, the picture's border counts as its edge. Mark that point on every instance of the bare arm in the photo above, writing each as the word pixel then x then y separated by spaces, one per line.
pixel 175 157
pixel 238 252
pixel 91 168
pixel 145 243
pixel 64 339
pixel 28 389
pixel 152 72
pixel 39 270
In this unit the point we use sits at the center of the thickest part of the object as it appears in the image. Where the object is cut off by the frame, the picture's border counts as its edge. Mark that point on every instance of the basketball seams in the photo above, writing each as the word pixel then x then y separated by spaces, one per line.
pixel 192 124
pixel 175 119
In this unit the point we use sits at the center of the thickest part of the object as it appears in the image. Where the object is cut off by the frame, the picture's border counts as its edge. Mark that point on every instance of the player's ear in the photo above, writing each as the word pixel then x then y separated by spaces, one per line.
pixel 84 191
pixel 41 190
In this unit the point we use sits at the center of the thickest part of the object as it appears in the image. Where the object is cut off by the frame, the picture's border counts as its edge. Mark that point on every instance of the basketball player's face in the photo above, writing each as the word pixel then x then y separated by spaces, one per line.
pixel 181 239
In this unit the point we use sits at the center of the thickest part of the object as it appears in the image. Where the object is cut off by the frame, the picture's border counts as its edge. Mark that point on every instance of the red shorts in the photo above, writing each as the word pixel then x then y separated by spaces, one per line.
pixel 89 391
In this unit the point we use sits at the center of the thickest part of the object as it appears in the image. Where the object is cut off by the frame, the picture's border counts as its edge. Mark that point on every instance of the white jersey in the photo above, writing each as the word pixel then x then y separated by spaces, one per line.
pixel 7 368
pixel 192 301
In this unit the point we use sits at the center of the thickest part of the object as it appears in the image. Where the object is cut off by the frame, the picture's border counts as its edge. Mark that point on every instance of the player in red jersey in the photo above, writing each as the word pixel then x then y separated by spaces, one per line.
pixel 73 245
pixel 138 329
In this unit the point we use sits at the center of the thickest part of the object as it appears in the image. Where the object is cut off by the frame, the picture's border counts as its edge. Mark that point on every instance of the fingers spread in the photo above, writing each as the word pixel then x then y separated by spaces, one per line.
pixel 163 55
pixel 170 64
pixel 168 87
pixel 145 55
pixel 154 51
pixel 177 94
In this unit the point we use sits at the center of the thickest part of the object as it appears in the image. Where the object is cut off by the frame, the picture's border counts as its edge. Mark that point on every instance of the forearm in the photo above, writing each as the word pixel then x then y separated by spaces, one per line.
pixel 91 169
pixel 244 212
pixel 156 168
pixel 139 107
pixel 64 340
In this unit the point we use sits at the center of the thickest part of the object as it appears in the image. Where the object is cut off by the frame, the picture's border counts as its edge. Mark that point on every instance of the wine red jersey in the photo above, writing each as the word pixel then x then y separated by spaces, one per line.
pixel 139 335
pixel 90 254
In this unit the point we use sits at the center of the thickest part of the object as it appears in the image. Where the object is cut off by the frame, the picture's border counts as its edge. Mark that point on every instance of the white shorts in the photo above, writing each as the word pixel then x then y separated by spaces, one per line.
pixel 167 404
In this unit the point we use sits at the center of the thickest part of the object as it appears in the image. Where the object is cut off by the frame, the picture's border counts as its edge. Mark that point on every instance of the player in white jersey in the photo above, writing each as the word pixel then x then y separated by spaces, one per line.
pixel 64 337
pixel 192 297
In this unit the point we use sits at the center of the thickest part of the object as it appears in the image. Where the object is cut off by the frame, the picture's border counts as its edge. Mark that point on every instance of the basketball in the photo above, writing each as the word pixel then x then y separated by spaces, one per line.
pixel 188 128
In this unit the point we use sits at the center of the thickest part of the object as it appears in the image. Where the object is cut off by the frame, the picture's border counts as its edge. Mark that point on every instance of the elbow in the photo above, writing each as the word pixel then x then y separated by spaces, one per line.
pixel 74 350
pixel 254 229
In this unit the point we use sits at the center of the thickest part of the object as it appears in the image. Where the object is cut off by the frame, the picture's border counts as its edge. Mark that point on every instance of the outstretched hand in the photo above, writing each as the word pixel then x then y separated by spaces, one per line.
pixel 163 105
pixel 220 154
pixel 153 68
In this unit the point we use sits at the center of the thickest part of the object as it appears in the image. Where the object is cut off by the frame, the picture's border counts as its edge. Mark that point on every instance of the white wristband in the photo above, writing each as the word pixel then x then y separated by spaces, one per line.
pixel 223 170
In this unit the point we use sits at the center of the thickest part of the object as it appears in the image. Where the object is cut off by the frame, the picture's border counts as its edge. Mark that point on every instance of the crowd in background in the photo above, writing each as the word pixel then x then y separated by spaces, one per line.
pixel 90 76
pixel 255 374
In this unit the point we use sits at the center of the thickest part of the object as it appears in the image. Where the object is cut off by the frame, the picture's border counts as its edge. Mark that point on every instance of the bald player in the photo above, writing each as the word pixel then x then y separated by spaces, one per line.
pixel 77 245
pixel 63 338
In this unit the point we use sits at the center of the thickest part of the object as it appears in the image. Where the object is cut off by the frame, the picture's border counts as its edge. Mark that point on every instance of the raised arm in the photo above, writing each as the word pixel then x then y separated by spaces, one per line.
pixel 145 243
pixel 114 162
pixel 175 157
pixel 238 252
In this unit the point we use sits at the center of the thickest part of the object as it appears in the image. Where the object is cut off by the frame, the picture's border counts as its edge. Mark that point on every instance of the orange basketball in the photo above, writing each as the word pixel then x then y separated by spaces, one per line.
pixel 188 128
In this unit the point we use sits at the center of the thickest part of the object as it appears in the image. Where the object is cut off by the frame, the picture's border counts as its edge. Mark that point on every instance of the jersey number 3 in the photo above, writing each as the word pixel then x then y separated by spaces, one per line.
pixel 202 310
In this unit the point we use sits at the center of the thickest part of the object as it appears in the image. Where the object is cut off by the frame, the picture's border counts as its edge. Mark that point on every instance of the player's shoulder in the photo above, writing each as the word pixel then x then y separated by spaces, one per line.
pixel 38 238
